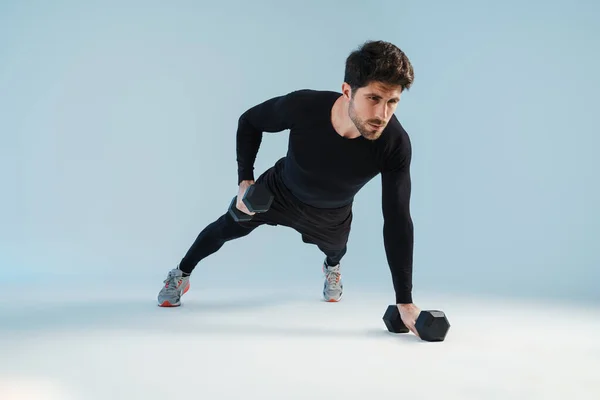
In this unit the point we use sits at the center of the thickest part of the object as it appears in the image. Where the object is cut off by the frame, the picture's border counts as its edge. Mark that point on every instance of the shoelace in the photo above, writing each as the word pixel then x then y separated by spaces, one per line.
pixel 332 275
pixel 172 281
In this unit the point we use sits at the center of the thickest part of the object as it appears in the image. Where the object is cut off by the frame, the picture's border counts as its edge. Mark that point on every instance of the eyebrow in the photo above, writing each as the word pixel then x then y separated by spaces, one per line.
pixel 379 96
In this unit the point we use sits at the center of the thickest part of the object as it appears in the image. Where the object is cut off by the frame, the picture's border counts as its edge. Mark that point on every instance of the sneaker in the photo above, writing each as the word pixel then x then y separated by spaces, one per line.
pixel 176 285
pixel 333 287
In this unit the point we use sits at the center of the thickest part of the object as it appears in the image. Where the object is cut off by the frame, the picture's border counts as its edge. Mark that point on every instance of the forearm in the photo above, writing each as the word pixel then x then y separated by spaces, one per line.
pixel 398 243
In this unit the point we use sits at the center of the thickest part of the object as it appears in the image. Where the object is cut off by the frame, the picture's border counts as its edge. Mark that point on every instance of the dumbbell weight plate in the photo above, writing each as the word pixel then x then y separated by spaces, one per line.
pixel 236 214
pixel 258 198
pixel 392 320
pixel 432 325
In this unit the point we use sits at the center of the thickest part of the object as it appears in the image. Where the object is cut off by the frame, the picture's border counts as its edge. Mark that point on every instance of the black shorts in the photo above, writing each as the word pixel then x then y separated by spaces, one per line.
pixel 328 228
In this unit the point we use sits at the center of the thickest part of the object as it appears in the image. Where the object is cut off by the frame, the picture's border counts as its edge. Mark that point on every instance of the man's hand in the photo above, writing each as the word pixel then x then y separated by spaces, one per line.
pixel 244 185
pixel 409 313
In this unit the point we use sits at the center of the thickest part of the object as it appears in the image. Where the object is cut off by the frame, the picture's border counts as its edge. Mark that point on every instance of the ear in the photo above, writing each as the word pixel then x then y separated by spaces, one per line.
pixel 346 91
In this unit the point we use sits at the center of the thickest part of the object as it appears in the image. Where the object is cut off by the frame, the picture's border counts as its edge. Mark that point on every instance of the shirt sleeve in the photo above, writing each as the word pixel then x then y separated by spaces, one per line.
pixel 398 230
pixel 272 115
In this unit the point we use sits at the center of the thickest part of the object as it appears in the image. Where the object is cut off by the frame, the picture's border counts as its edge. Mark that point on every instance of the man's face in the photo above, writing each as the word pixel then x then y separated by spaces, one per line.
pixel 371 108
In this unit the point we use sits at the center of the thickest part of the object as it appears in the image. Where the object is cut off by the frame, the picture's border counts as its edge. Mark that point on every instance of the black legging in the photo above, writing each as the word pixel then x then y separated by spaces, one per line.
pixel 326 228
pixel 224 229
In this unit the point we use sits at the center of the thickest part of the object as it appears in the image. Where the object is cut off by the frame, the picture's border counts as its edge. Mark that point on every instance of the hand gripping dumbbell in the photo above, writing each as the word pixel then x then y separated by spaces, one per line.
pixel 257 198
pixel 432 325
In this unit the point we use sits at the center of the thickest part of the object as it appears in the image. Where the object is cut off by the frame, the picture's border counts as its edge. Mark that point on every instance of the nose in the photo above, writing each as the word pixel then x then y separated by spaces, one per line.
pixel 382 112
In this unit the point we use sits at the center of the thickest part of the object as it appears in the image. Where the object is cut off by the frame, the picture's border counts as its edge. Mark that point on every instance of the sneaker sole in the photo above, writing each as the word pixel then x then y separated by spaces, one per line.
pixel 333 300
pixel 167 303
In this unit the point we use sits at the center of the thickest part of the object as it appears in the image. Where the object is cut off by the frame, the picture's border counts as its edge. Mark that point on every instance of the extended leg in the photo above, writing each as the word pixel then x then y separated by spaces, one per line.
pixel 212 238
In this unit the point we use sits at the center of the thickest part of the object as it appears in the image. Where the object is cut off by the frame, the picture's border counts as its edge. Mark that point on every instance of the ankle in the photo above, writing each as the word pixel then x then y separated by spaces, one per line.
pixel 330 263
pixel 184 271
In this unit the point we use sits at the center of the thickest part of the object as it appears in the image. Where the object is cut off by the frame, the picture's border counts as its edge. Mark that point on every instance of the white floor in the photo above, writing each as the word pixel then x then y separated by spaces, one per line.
pixel 277 345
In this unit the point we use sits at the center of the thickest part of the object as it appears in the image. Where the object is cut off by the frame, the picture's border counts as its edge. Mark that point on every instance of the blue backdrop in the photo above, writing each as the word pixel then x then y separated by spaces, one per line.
pixel 118 122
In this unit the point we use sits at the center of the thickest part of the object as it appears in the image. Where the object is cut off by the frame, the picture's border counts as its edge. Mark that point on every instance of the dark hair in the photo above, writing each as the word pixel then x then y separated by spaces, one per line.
pixel 378 61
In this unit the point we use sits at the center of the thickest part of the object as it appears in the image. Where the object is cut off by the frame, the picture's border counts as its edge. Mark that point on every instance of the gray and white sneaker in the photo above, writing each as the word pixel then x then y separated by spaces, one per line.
pixel 333 286
pixel 176 285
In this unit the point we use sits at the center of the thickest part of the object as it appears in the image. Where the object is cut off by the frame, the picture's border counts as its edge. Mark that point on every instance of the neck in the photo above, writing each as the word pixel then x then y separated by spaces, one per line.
pixel 340 120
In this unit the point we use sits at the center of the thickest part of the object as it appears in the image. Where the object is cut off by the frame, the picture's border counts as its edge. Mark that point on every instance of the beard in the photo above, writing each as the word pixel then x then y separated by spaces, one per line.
pixel 364 128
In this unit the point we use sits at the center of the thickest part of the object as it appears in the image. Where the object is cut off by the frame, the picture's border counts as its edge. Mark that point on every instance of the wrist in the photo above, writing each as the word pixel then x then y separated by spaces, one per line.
pixel 245 176
pixel 246 182
pixel 404 298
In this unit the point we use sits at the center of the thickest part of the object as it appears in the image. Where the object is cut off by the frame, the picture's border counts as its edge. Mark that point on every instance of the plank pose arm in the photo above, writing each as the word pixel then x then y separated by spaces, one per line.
pixel 398 232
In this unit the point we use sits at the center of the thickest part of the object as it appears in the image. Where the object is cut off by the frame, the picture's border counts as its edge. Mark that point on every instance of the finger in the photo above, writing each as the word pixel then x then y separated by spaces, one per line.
pixel 242 207
pixel 414 330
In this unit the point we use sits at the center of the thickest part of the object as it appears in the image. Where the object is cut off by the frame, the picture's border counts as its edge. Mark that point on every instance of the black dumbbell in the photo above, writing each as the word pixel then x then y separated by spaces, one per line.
pixel 432 325
pixel 257 198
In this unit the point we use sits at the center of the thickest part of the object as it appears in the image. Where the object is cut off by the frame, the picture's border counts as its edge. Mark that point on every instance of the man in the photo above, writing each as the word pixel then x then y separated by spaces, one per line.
pixel 338 142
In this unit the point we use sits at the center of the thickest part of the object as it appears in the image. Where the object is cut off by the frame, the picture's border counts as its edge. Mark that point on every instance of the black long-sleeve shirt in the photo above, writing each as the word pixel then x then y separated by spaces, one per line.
pixel 324 169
